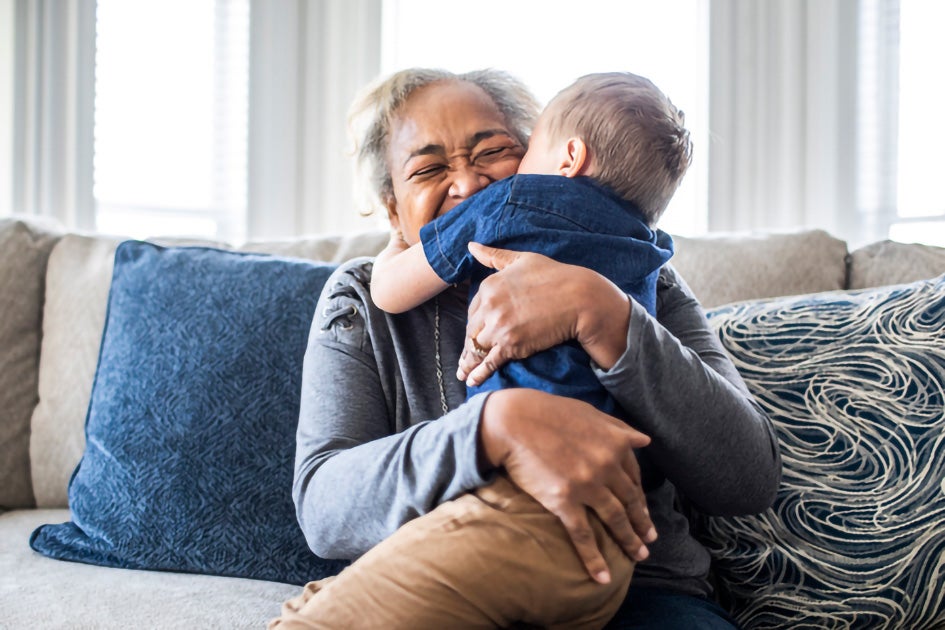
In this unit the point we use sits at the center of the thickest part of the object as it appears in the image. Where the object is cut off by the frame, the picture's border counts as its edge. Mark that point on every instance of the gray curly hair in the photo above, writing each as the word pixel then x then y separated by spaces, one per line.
pixel 371 113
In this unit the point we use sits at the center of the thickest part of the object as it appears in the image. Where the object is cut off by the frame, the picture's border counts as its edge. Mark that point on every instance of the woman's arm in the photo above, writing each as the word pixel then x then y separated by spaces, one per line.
pixel 402 278
pixel 363 466
pixel 567 301
pixel 672 376
pixel 709 436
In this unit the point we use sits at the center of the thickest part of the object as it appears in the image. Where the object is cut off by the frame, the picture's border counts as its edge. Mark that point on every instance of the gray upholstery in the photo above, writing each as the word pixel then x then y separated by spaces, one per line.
pixel 726 268
pixel 24 249
pixel 889 262
pixel 37 592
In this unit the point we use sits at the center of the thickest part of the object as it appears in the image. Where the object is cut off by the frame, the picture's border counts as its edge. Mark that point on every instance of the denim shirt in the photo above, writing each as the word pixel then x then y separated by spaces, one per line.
pixel 572 220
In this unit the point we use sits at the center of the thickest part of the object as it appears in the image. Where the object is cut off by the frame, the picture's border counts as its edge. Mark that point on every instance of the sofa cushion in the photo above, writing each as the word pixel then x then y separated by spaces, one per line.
pixel 889 262
pixel 37 592
pixel 77 281
pixel 24 250
pixel 855 385
pixel 191 424
pixel 723 268
pixel 335 248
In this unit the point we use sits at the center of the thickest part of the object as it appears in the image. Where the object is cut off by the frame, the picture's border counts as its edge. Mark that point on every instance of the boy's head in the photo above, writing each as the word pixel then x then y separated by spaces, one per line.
pixel 633 139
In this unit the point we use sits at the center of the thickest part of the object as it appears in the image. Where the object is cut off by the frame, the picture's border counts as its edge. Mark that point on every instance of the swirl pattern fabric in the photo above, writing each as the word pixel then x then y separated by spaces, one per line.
pixel 191 425
pixel 855 385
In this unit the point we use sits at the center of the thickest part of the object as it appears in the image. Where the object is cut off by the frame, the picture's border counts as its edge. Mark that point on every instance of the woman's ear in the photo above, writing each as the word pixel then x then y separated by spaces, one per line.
pixel 577 160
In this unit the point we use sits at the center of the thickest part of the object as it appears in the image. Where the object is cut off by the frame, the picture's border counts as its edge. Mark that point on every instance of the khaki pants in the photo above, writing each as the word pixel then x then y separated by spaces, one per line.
pixel 491 558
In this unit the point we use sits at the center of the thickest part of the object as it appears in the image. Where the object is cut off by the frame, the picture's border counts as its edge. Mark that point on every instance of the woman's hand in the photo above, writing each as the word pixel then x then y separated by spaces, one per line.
pixel 571 458
pixel 534 303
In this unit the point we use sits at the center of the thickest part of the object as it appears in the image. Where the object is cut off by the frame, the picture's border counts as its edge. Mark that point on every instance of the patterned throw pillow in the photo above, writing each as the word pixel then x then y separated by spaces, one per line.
pixel 855 385
pixel 191 425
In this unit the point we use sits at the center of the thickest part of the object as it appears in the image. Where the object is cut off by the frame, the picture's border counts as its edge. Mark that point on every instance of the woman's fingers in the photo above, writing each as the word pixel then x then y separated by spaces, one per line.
pixel 578 526
pixel 634 500
pixel 614 514
pixel 476 365
pixel 525 307
pixel 571 458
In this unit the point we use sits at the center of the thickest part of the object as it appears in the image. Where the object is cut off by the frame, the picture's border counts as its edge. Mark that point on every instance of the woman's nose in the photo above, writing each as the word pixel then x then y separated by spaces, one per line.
pixel 467 180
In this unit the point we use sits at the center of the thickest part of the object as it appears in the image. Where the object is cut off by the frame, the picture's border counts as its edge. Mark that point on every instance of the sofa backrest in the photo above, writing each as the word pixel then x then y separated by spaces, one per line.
pixel 54 287
pixel 889 262
pixel 724 268
pixel 24 250
pixel 78 280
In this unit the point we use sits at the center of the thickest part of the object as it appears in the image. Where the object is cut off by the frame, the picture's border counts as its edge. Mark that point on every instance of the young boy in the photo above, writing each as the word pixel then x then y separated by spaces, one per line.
pixel 603 162
pixel 605 158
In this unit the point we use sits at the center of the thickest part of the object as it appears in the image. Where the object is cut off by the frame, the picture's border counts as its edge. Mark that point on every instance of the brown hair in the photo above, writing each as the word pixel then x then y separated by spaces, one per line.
pixel 636 137
pixel 370 116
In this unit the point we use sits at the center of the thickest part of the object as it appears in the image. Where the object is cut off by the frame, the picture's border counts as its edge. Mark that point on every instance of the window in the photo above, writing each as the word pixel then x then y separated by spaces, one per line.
pixel 548 44
pixel 921 209
pixel 170 135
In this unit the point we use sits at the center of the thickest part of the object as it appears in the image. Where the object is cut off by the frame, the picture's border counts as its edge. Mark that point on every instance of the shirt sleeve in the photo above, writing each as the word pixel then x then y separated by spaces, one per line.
pixel 357 478
pixel 445 239
pixel 709 436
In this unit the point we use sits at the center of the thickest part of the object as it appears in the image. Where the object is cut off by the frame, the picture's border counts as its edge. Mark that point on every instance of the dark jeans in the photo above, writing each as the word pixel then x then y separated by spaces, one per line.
pixel 662 609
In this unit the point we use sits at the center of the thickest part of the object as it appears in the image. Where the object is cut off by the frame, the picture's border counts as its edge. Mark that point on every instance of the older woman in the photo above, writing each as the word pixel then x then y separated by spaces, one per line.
pixel 385 433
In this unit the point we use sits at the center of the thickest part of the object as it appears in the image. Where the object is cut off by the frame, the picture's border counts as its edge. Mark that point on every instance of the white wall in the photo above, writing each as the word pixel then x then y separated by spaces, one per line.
pixel 7 33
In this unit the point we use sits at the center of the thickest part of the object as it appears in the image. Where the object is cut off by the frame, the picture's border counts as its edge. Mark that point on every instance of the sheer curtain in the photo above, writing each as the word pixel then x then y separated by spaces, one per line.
pixel 7 39
pixel 308 61
pixel 53 100
pixel 803 111
pixel 803 106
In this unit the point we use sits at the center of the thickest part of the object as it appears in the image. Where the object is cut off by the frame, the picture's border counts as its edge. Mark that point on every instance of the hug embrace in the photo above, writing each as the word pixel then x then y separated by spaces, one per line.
pixel 546 482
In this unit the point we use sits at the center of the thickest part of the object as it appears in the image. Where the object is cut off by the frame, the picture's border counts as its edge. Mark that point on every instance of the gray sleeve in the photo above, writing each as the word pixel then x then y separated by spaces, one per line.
pixel 709 436
pixel 360 474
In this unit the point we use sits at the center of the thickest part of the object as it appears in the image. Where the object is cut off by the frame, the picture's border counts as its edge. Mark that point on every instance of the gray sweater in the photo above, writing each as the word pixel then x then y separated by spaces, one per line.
pixel 375 450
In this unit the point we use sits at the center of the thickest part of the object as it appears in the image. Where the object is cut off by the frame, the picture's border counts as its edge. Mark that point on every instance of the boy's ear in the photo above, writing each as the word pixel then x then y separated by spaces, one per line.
pixel 577 160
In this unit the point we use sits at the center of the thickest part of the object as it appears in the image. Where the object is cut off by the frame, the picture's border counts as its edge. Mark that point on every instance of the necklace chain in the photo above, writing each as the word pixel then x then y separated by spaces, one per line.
pixel 436 353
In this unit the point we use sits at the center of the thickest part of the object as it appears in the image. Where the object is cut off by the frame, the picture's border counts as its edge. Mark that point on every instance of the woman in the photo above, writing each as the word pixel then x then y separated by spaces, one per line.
pixel 384 432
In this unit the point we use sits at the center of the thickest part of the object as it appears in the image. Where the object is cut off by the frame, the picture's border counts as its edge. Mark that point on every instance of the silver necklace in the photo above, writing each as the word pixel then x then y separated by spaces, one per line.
pixel 436 353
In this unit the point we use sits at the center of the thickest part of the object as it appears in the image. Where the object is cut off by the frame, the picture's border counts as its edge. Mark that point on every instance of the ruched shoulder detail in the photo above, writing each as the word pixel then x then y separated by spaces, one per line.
pixel 343 308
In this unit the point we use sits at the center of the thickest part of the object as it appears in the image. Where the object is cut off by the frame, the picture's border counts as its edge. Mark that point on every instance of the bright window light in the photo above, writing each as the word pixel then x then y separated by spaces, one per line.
pixel 548 44
pixel 171 94
pixel 921 125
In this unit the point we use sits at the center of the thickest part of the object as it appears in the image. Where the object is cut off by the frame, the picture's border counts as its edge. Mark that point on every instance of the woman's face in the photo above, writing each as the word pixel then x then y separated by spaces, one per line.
pixel 447 142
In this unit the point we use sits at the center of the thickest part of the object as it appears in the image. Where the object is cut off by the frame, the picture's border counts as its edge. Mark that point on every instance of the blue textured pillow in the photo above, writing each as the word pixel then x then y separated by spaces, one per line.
pixel 855 385
pixel 190 434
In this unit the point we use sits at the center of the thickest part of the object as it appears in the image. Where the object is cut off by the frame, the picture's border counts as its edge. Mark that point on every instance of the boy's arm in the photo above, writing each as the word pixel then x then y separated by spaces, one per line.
pixel 402 278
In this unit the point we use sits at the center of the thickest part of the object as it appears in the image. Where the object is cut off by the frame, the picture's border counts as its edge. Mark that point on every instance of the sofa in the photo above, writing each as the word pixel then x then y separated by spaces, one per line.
pixel 147 393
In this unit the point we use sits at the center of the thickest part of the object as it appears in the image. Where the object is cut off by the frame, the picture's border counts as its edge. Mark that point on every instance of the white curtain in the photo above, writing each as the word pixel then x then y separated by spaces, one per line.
pixel 53 111
pixel 308 59
pixel 803 113
pixel 790 120
pixel 7 38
